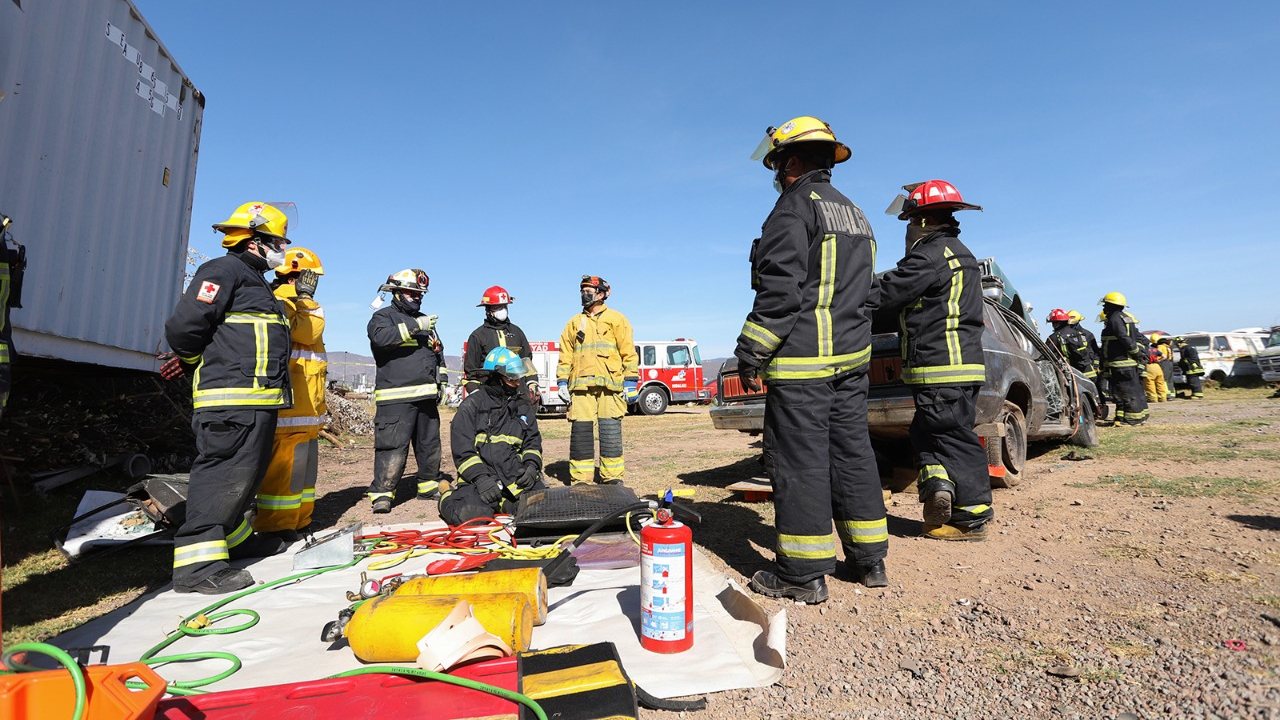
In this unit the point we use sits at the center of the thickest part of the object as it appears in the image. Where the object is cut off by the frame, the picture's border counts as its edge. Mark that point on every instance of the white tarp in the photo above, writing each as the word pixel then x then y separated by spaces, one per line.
pixel 736 645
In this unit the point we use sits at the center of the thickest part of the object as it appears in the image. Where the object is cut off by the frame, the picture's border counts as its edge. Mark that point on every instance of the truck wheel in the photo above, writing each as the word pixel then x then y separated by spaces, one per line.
pixel 1013 446
pixel 1087 434
pixel 652 401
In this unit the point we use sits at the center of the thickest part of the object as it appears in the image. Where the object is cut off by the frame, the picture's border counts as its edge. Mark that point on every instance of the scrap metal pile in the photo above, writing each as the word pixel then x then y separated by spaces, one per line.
pixel 348 416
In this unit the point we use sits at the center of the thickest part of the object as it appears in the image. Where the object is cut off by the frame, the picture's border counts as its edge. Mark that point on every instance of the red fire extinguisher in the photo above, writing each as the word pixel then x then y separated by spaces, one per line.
pixel 666 584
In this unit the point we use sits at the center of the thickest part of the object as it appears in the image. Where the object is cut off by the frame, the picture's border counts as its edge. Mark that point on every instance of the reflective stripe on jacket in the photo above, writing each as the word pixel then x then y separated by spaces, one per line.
pixel 233 329
pixel 408 360
pixel 1074 347
pixel 1189 360
pixel 938 287
pixel 1120 342
pixel 308 363
pixel 597 351
pixel 812 271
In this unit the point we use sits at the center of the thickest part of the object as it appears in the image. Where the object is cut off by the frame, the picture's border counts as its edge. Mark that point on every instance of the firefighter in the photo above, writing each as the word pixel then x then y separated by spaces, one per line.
pixel 411 371
pixel 230 333
pixel 937 286
pixel 1123 347
pixel 495 441
pixel 496 331
pixel 1192 370
pixel 1165 348
pixel 808 336
pixel 1100 378
pixel 1153 380
pixel 288 493
pixel 1070 341
pixel 598 375
pixel 13 261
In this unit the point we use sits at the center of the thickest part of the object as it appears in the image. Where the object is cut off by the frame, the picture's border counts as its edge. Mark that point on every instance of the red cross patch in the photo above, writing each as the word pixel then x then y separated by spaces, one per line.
pixel 208 291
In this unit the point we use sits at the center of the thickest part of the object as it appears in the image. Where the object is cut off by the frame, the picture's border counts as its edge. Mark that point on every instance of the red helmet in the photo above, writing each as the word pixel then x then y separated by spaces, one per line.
pixel 933 195
pixel 496 295
pixel 1059 315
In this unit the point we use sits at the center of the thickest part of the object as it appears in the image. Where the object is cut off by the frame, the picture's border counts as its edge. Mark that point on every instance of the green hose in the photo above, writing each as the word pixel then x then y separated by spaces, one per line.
pixel 77 675
pixel 442 677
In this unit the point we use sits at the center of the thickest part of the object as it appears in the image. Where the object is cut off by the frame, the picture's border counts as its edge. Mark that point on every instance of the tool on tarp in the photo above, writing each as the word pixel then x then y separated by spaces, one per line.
pixel 161 498
pixel 337 548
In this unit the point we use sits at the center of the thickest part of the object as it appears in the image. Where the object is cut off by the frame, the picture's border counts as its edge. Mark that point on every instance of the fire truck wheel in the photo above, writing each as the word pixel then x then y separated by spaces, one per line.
pixel 652 401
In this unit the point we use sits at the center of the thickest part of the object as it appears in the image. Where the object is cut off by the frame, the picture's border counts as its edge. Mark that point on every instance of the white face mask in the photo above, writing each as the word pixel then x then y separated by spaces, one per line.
pixel 275 258
pixel 500 314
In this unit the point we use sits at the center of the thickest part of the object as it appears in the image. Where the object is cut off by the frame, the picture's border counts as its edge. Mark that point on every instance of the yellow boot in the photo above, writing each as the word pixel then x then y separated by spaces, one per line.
pixel 951 532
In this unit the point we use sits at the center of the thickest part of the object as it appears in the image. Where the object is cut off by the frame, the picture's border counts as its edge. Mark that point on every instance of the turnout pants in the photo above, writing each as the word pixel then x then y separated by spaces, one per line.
pixel 1197 387
pixel 1166 366
pixel 591 408
pixel 464 503
pixel 1131 399
pixel 949 455
pixel 288 492
pixel 6 377
pixel 823 469
pixel 234 449
pixel 395 427
pixel 1153 383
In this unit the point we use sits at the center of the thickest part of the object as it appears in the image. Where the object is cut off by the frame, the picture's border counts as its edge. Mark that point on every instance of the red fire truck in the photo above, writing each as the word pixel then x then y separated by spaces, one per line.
pixel 670 371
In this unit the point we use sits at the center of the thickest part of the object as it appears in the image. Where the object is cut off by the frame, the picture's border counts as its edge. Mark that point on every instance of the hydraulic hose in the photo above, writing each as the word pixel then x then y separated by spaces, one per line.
pixel 442 677
pixel 77 675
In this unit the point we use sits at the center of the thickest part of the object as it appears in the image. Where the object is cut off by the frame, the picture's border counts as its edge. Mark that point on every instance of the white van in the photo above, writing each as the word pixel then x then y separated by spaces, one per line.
pixel 1268 358
pixel 1227 355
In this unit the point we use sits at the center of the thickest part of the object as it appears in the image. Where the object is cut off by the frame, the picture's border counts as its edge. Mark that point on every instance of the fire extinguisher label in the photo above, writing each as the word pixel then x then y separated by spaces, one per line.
pixel 662 592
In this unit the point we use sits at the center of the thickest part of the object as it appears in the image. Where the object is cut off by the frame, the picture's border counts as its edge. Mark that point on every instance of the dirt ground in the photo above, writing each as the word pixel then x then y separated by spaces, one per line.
pixel 1132 584
pixel 1137 583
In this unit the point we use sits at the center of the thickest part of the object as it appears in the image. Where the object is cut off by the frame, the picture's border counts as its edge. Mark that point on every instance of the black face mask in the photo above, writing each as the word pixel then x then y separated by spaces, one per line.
pixel 407 303
pixel 588 297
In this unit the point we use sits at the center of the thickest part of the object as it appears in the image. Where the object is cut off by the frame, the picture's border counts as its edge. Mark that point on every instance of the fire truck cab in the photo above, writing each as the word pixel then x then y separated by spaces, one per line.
pixel 670 371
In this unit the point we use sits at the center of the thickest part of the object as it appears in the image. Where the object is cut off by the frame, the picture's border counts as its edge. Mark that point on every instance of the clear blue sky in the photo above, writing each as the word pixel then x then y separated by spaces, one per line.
pixel 1115 146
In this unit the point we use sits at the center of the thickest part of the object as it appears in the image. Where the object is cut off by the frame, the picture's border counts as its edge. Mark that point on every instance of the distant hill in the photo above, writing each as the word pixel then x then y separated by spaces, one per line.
pixel 352 369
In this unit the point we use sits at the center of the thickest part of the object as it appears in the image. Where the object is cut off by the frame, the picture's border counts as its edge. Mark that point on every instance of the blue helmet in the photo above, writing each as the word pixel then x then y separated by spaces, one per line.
pixel 505 362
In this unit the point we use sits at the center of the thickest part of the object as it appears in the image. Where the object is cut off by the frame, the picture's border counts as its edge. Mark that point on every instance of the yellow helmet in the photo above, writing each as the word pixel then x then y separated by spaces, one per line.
pixel 1114 298
pixel 299 259
pixel 1074 317
pixel 408 280
pixel 801 129
pixel 250 218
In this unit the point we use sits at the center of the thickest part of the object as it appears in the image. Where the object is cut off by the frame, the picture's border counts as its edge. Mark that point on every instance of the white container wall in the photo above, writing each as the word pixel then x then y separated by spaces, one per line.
pixel 99 136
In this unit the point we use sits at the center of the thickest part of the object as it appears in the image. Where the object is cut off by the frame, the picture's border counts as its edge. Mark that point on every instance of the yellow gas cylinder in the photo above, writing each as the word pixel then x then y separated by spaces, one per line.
pixel 529 582
pixel 388 628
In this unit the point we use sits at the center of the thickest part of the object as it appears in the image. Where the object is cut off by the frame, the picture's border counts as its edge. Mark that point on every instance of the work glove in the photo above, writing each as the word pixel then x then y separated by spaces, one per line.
pixel 427 323
pixel 564 390
pixel 305 285
pixel 528 477
pixel 630 390
pixel 489 489
pixel 171 367
pixel 750 378
pixel 534 395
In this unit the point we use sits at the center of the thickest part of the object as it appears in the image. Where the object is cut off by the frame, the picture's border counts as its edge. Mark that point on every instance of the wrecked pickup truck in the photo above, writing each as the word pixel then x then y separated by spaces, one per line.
pixel 1030 394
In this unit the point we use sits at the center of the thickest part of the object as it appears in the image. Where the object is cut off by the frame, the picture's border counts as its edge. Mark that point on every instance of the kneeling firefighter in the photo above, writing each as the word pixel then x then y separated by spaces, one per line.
pixel 411 369
pixel 938 287
pixel 495 441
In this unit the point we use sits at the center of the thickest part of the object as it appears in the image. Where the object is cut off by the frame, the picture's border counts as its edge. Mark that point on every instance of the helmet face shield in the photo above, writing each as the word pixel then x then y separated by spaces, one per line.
pixel 765 146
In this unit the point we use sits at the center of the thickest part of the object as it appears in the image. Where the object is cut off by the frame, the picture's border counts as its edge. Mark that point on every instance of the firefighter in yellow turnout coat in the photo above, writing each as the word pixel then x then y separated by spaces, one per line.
pixel 288 492
pixel 597 374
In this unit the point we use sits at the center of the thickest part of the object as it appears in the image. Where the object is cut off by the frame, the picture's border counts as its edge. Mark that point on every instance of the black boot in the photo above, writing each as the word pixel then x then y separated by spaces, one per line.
pixel 382 506
pixel 258 545
pixel 813 592
pixel 224 581
pixel 873 576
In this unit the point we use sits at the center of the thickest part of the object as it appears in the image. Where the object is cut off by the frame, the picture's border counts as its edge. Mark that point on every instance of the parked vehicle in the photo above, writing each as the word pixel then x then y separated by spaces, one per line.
pixel 670 371
pixel 1030 394
pixel 1268 358
pixel 1227 355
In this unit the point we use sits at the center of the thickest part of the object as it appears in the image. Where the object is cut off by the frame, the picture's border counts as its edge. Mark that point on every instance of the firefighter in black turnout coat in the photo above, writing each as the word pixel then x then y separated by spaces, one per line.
pixel 938 287
pixel 1192 370
pixel 809 337
pixel 230 333
pixel 408 391
pixel 1071 342
pixel 496 444
pixel 1124 356
pixel 496 331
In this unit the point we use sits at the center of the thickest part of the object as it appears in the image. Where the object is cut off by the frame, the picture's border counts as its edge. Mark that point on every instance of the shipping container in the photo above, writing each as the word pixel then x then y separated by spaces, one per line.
pixel 99 136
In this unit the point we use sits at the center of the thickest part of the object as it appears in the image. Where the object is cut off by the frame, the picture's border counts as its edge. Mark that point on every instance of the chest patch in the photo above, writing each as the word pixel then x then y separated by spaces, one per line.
pixel 208 291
